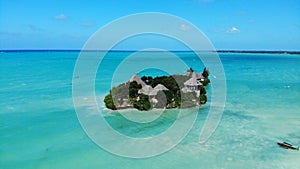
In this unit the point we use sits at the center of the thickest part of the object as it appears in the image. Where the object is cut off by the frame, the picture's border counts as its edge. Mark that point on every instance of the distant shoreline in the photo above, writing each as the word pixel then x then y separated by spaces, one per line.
pixel 218 51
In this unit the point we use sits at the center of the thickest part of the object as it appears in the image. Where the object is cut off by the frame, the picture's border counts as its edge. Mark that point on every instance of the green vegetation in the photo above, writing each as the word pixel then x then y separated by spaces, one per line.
pixel 203 99
pixel 109 103
pixel 142 103
pixel 205 73
pixel 127 95
pixel 134 87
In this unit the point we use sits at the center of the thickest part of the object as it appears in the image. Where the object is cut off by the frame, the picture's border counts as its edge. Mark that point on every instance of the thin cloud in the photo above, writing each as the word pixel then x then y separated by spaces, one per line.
pixel 61 17
pixel 233 30
pixel 87 24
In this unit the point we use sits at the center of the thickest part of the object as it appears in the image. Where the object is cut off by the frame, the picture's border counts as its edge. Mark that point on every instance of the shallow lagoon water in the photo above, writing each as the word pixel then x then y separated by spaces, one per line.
pixel 39 127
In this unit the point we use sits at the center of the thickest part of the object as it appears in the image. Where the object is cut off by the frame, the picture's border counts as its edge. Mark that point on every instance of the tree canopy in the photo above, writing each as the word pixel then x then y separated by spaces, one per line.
pixel 127 94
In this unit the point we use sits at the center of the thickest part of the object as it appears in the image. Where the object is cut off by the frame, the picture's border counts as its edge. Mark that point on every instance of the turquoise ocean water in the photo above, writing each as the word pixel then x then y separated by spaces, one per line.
pixel 39 127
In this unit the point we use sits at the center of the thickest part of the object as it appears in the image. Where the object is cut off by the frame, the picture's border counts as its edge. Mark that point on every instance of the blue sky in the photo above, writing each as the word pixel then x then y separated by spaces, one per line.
pixel 229 24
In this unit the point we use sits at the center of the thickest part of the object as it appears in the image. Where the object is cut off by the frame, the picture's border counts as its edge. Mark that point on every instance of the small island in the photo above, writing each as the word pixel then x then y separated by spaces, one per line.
pixel 162 92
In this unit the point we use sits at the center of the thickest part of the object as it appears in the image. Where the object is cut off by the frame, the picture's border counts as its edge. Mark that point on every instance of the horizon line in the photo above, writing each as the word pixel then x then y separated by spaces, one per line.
pixel 218 51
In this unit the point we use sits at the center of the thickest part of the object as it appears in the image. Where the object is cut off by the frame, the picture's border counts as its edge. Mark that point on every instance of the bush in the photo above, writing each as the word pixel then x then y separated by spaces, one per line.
pixel 109 103
pixel 203 99
pixel 205 82
pixel 143 103
pixel 202 90
pixel 205 73
pixel 134 87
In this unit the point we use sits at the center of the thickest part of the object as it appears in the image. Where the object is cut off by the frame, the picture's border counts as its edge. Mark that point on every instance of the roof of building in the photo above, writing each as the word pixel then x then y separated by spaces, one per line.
pixel 160 87
pixel 156 89
pixel 135 78
pixel 200 76
pixel 148 90
pixel 193 82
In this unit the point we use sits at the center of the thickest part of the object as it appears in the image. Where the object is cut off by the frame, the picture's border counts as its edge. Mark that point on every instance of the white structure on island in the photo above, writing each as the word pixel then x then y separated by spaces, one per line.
pixel 156 89
pixel 147 89
pixel 193 84
pixel 135 78
pixel 192 73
